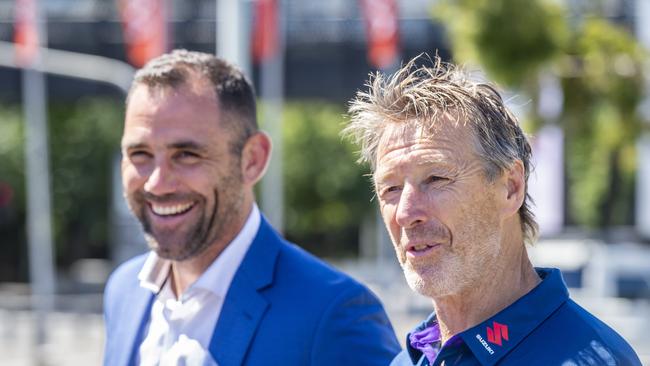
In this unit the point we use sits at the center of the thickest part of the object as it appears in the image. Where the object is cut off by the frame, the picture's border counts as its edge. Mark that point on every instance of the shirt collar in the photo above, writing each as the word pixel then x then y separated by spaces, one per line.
pixel 219 274
pixel 492 339
pixel 414 353
pixel 154 272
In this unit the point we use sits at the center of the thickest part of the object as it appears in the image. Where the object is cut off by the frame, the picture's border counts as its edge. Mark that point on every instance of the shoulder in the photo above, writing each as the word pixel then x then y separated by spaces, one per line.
pixel 603 340
pixel 122 280
pixel 575 333
pixel 126 272
pixel 346 314
pixel 331 318
pixel 288 271
pixel 301 267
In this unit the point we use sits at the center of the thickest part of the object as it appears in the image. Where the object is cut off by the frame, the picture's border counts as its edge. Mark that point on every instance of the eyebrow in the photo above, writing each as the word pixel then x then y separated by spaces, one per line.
pixel 134 146
pixel 188 145
pixel 381 176
pixel 435 164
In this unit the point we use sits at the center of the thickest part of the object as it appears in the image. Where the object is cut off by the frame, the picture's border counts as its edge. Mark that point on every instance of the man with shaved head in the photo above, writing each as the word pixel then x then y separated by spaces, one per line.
pixel 220 286
pixel 450 166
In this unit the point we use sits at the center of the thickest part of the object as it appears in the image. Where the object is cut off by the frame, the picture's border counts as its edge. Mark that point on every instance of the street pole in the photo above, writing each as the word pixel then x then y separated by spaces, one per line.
pixel 643 142
pixel 39 224
pixel 233 33
pixel 272 96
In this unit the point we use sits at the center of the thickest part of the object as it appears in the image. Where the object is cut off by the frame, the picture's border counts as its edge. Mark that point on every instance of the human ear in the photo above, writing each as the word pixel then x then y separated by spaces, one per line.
pixel 255 157
pixel 514 180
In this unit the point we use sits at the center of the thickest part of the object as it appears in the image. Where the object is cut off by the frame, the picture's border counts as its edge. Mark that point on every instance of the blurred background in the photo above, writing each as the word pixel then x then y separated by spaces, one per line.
pixel 576 73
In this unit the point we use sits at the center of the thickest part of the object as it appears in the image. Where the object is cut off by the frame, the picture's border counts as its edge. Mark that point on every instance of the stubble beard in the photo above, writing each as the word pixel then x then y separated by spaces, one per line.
pixel 453 274
pixel 461 266
pixel 208 229
pixel 195 240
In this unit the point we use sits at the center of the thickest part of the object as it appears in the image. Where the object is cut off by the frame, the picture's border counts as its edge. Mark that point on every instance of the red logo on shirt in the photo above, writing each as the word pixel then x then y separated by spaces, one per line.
pixel 494 335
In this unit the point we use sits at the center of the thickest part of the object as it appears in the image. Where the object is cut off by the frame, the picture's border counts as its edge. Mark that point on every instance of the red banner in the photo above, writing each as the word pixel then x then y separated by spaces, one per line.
pixel 382 31
pixel 145 29
pixel 6 194
pixel 26 32
pixel 265 30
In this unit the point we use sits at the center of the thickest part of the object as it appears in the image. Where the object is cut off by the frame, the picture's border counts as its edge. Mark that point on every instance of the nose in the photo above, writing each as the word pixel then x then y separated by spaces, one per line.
pixel 162 180
pixel 411 209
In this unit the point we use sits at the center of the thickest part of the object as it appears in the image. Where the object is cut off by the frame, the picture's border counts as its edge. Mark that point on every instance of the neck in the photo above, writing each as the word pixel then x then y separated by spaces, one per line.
pixel 184 273
pixel 487 296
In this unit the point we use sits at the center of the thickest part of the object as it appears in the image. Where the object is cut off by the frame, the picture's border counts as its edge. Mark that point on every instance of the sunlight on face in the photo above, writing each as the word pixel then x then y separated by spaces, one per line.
pixel 180 178
pixel 438 207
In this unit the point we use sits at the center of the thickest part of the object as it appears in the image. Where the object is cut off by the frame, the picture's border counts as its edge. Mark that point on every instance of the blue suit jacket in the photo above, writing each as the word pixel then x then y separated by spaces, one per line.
pixel 284 307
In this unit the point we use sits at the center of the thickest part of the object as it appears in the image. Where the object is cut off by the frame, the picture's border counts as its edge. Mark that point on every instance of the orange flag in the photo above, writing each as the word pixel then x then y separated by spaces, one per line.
pixel 382 31
pixel 265 30
pixel 145 30
pixel 26 32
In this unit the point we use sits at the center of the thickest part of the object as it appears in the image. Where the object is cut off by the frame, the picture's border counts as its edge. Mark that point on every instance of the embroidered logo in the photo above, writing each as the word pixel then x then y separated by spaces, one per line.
pixel 485 344
pixel 496 333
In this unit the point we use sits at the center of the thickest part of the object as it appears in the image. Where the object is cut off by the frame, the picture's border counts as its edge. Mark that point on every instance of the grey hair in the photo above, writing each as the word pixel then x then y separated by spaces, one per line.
pixel 235 93
pixel 420 94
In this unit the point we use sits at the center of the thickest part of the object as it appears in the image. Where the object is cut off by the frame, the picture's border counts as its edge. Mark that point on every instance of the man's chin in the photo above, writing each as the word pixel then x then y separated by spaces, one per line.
pixel 430 285
pixel 173 255
pixel 167 250
pixel 417 283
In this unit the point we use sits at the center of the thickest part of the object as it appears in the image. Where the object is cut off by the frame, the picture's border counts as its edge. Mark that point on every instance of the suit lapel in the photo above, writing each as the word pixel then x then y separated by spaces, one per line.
pixel 244 307
pixel 136 311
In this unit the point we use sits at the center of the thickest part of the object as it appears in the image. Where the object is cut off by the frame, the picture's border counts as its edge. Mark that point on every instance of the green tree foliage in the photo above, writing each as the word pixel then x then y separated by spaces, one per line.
pixel 326 196
pixel 511 39
pixel 602 78
pixel 600 68
pixel 84 138
pixel 12 218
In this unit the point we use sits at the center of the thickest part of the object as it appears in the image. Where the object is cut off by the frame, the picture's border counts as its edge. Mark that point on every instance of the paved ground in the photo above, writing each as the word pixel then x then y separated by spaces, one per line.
pixel 76 338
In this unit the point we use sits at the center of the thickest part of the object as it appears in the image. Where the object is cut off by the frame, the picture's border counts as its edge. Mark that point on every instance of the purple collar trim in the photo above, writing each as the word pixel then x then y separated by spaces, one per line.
pixel 427 341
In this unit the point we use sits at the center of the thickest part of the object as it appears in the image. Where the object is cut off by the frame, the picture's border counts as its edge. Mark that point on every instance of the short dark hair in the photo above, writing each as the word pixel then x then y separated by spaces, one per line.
pixel 235 93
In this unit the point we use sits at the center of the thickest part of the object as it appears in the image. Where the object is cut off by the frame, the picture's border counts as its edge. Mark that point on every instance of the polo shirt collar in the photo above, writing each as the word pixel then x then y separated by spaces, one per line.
pixel 414 353
pixel 492 339
pixel 505 330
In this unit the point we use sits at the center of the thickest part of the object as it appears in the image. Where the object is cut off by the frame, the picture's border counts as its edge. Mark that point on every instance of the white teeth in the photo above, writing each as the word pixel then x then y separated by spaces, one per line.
pixel 418 248
pixel 170 210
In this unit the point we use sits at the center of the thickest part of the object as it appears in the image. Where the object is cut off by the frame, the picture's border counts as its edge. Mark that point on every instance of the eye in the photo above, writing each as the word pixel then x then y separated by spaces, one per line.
pixel 435 179
pixel 139 156
pixel 388 191
pixel 187 157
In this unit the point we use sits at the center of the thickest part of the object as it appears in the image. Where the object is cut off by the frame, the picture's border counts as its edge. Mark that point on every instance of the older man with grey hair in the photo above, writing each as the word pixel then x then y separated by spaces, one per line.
pixel 450 168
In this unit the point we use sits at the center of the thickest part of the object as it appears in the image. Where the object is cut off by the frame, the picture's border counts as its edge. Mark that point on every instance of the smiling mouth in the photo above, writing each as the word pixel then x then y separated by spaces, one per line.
pixel 171 210
pixel 418 249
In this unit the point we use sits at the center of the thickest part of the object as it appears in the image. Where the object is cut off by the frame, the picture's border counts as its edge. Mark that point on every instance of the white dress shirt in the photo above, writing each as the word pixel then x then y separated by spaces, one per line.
pixel 179 330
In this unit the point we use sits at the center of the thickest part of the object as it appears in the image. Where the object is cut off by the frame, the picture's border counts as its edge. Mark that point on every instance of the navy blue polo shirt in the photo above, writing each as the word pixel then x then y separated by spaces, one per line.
pixel 544 327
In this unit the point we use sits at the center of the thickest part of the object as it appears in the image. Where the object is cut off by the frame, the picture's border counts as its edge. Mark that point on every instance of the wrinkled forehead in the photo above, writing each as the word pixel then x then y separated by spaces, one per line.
pixel 445 126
